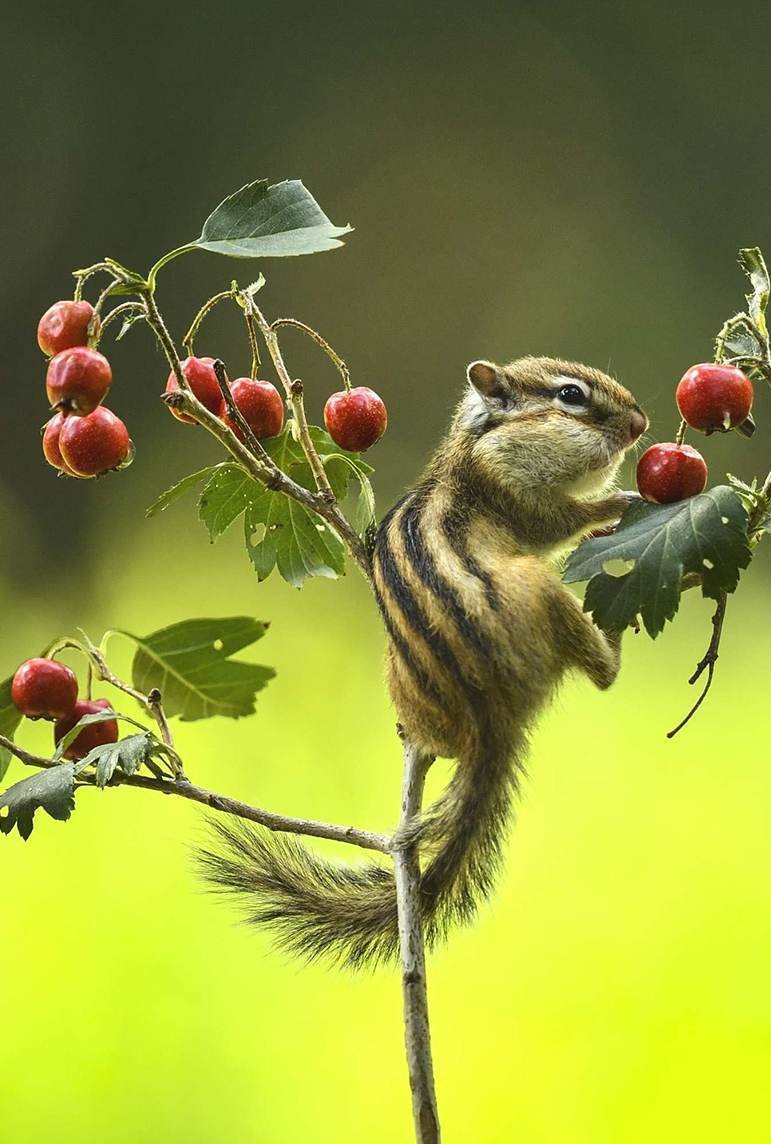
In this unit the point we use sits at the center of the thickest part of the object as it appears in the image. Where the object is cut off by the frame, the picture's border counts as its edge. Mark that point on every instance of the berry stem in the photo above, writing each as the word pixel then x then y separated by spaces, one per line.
pixel 681 432
pixel 120 311
pixel 153 273
pixel 187 341
pixel 294 392
pixel 325 346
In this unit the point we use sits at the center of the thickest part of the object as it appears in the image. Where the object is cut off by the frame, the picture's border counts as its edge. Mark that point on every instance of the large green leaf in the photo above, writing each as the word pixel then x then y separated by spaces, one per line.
pixel 52 791
pixel 190 664
pixel 261 221
pixel 706 534
pixel 10 717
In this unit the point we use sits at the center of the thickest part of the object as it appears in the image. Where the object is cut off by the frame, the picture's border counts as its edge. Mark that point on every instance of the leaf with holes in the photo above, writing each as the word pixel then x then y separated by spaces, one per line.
pixel 261 221
pixel 706 535
pixel 280 533
pixel 225 497
pixel 10 717
pixel 52 791
pixel 190 664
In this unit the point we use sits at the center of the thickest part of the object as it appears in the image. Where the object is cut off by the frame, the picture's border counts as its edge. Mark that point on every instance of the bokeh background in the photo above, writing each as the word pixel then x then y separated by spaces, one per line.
pixel 553 178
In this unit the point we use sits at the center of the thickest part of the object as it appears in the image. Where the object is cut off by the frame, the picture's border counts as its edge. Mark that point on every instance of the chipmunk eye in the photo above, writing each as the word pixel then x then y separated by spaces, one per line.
pixel 572 395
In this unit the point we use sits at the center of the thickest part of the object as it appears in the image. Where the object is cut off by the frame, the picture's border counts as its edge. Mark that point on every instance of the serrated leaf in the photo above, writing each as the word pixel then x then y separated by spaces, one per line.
pixel 225 497
pixel 282 534
pixel 261 221
pixel 753 264
pixel 10 717
pixel 189 664
pixel 179 489
pixel 706 534
pixel 737 339
pixel 52 791
pixel 254 287
pixel 127 755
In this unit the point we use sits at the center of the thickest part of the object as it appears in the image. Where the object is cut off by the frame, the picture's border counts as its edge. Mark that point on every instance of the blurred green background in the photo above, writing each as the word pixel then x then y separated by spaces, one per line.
pixel 522 178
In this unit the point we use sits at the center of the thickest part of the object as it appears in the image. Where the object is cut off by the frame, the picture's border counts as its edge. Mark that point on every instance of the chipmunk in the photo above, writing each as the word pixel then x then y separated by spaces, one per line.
pixel 480 632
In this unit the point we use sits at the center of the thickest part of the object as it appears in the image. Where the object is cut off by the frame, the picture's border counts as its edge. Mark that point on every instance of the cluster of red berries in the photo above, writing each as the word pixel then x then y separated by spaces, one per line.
pixel 83 438
pixel 711 398
pixel 355 418
pixel 47 689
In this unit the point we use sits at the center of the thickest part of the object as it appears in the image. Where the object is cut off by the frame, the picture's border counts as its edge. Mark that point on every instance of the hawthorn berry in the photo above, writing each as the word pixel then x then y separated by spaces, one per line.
pixel 44 689
pixel 202 379
pixel 671 472
pixel 355 418
pixel 260 404
pixel 63 325
pixel 93 445
pixel 91 736
pixel 78 379
pixel 714 397
pixel 51 450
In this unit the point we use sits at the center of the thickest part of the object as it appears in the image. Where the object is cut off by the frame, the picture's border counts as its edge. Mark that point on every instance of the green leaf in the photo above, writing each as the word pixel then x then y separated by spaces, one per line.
pixel 52 791
pixel 365 504
pixel 754 266
pixel 282 534
pixel 127 755
pixel 261 221
pixel 737 339
pixel 189 664
pixel 10 717
pixel 225 497
pixel 96 717
pixel 706 534
pixel 179 489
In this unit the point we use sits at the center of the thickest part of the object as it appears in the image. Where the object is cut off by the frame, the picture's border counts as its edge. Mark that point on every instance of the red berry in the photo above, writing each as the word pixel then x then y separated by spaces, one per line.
pixel 64 325
pixel 355 418
pixel 260 404
pixel 670 472
pixel 95 444
pixel 78 380
pixel 203 381
pixel 91 736
pixel 53 454
pixel 44 689
pixel 714 397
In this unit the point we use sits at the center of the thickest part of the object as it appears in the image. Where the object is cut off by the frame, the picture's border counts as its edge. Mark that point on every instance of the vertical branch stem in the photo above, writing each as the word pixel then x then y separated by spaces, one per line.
pixel 417 1035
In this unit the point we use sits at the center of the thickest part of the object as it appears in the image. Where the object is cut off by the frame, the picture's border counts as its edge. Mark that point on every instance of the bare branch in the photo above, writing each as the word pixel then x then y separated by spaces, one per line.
pixel 706 663
pixel 417 1035
pixel 183 789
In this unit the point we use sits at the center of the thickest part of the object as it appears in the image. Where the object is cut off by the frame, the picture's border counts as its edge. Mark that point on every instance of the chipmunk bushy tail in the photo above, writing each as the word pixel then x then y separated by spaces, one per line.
pixel 317 908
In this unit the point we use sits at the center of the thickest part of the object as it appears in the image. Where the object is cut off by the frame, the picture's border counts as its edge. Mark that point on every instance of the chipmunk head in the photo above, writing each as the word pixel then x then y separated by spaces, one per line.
pixel 542 423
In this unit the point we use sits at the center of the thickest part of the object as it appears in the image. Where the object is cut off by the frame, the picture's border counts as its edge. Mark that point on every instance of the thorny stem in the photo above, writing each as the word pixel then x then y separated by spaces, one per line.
pixel 325 346
pixel 706 663
pixel 184 789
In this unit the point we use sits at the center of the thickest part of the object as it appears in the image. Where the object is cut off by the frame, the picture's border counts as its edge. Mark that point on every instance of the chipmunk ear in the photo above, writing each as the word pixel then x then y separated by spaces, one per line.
pixel 491 383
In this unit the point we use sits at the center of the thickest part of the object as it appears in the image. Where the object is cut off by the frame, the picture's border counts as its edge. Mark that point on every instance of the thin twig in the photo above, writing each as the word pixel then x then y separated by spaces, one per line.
pixel 333 356
pixel 187 341
pixel 706 663
pixel 417 1035
pixel 124 308
pixel 183 789
pixel 294 392
pixel 237 418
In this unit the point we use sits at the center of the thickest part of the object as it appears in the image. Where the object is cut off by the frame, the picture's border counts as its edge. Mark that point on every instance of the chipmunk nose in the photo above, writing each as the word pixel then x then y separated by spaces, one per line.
pixel 638 423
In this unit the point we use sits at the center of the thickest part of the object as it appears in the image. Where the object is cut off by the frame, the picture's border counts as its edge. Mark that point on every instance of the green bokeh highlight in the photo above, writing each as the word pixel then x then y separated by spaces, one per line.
pixel 522 179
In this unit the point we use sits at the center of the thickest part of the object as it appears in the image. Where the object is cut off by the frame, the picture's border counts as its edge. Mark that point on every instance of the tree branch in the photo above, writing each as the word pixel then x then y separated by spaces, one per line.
pixel 417 1035
pixel 183 789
